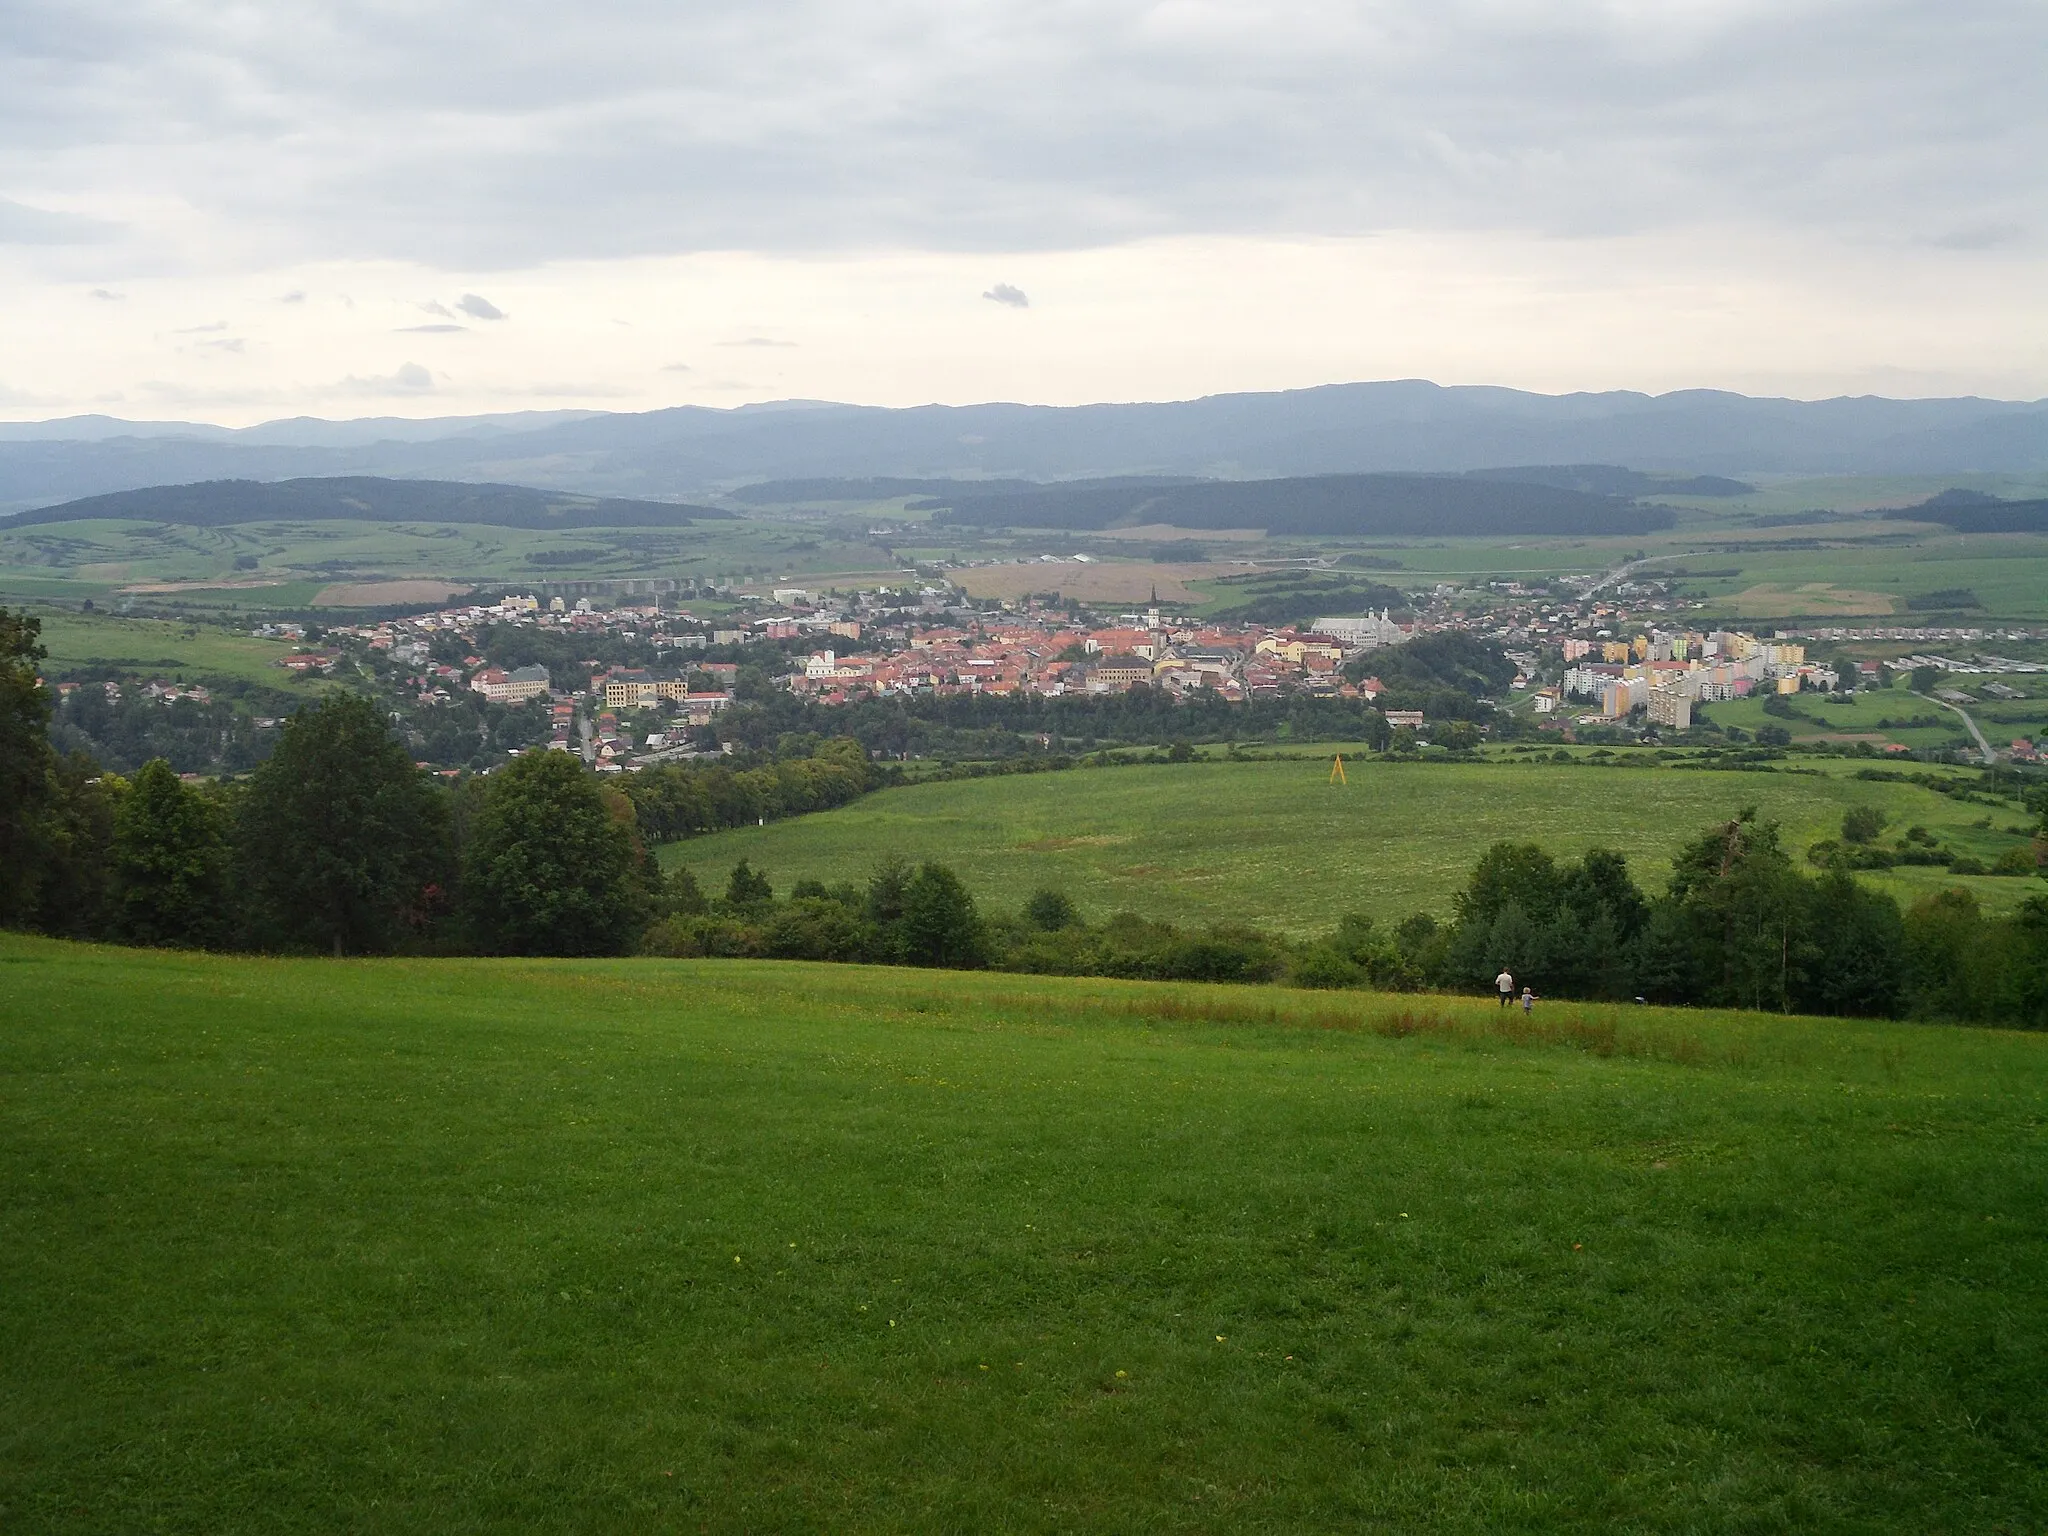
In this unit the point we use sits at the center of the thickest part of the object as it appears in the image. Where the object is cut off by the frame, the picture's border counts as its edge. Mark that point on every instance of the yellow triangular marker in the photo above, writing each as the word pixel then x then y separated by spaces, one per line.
pixel 1337 770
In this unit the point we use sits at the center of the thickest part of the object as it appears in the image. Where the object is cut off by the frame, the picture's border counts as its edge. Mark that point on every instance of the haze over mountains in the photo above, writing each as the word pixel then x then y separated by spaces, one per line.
pixel 1348 428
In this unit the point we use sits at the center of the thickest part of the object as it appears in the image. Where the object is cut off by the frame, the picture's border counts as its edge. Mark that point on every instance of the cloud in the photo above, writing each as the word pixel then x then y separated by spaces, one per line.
pixel 109 295
pixel 757 341
pixel 434 307
pixel 1003 293
pixel 677 368
pixel 478 307
pixel 410 379
pixel 438 329
pixel 1014 125
pixel 201 330
pixel 222 344
pixel 296 296
pixel 1979 237
pixel 22 225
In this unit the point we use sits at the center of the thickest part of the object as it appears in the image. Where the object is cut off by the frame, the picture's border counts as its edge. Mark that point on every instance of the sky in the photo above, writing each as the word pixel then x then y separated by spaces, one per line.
pixel 230 212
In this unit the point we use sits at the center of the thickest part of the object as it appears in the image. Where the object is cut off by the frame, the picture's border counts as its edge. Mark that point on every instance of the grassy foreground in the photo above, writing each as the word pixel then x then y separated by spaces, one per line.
pixel 1276 844
pixel 465 1246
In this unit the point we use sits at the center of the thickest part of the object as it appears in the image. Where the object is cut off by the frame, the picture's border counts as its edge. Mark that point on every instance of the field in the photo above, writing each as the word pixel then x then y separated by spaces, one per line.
pixel 150 648
pixel 1275 844
pixel 478 1246
pixel 99 559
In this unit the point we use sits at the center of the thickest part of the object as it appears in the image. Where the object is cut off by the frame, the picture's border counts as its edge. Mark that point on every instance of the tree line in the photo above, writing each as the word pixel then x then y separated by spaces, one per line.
pixel 338 843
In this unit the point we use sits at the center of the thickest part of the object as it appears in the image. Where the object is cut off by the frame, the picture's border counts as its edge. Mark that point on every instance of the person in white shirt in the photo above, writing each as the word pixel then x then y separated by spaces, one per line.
pixel 1506 983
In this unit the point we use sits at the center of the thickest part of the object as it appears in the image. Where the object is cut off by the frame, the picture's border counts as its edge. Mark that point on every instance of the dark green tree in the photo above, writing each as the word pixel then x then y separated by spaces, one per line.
pixel 1049 910
pixel 1743 907
pixel 26 769
pixel 748 890
pixel 170 864
pixel 549 867
pixel 1862 824
pixel 940 925
pixel 1853 951
pixel 343 843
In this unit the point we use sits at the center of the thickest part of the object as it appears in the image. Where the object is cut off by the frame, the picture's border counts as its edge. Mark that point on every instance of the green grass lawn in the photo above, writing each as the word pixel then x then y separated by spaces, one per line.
pixel 637 1245
pixel 1277 845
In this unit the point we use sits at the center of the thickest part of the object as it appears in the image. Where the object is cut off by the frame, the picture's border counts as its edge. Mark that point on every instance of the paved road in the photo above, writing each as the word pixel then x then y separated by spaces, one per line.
pixel 1982 745
pixel 1622 570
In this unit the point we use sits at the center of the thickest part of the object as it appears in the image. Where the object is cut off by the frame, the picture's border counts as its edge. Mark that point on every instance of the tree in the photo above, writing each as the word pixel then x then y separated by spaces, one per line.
pixel 1049 910
pixel 549 869
pixel 344 844
pixel 1742 904
pixel 748 890
pixel 1863 824
pixel 170 864
pixel 26 766
pixel 940 925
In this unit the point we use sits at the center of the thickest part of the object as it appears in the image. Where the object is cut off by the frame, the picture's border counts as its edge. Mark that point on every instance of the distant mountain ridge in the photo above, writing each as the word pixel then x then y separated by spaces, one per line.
pixel 1399 426
pixel 359 498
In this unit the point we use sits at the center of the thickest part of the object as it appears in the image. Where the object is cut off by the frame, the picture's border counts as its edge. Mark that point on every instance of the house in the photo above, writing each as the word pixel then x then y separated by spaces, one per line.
pixel 1412 718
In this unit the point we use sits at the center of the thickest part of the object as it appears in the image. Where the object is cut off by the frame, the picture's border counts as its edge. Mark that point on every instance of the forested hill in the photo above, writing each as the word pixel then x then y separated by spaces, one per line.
pixel 1974 512
pixel 1328 504
pixel 354 498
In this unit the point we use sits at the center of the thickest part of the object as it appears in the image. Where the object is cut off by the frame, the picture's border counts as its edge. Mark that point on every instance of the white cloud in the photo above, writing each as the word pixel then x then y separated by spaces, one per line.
pixel 409 379
pixel 479 308
pixel 1004 293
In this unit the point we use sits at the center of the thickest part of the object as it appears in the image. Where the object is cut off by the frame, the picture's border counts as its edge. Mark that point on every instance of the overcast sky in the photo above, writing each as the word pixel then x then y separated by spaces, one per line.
pixel 232 212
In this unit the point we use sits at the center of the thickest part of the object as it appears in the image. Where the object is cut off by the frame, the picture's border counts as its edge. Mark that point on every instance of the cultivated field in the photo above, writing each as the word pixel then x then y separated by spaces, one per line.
pixel 1276 844
pixel 638 1245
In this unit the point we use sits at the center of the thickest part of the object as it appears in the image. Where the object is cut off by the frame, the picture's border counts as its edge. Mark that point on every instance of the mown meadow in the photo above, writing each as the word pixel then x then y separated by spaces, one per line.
pixel 513 1245
pixel 1276 844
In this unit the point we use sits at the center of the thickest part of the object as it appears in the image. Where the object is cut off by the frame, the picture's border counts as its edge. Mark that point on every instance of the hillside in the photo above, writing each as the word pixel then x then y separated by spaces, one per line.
pixel 1974 512
pixel 1276 844
pixel 509 1246
pixel 219 503
pixel 1395 425
pixel 1325 504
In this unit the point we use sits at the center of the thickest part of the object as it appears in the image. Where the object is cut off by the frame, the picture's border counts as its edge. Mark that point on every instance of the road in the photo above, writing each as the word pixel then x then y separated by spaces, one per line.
pixel 1622 570
pixel 1982 745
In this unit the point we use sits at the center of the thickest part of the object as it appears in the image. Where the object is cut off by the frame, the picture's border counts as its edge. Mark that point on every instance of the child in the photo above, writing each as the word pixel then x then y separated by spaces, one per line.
pixel 1528 1000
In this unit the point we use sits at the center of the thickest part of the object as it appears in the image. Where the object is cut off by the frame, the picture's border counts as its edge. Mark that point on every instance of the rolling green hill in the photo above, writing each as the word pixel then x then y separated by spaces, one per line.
pixel 489 1245
pixel 1275 844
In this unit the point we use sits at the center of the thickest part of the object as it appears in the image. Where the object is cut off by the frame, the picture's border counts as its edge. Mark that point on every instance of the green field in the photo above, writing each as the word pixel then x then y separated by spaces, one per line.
pixel 94 559
pixel 1275 844
pixel 159 648
pixel 640 1245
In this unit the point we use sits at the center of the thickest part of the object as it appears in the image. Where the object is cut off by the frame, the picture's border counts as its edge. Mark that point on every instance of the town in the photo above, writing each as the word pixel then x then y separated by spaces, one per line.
pixel 1581 658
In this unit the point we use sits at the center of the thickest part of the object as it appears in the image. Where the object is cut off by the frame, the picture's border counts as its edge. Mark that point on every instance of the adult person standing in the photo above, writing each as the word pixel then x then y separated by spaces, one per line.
pixel 1506 983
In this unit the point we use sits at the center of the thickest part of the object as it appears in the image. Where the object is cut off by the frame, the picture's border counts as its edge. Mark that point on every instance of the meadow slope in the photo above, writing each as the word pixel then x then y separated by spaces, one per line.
pixel 512 1245
pixel 1278 845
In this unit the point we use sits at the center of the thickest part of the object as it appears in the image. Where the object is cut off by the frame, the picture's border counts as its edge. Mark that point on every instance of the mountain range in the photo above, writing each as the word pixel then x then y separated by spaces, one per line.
pixel 1406 425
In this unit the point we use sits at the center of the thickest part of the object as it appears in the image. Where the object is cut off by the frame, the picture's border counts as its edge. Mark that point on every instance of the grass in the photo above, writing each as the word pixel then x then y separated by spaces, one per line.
pixel 474 1246
pixel 1276 844
pixel 158 647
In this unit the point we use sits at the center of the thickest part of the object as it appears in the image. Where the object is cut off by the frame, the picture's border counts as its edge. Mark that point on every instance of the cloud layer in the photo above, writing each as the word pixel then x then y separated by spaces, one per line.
pixel 1817 195
pixel 338 127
